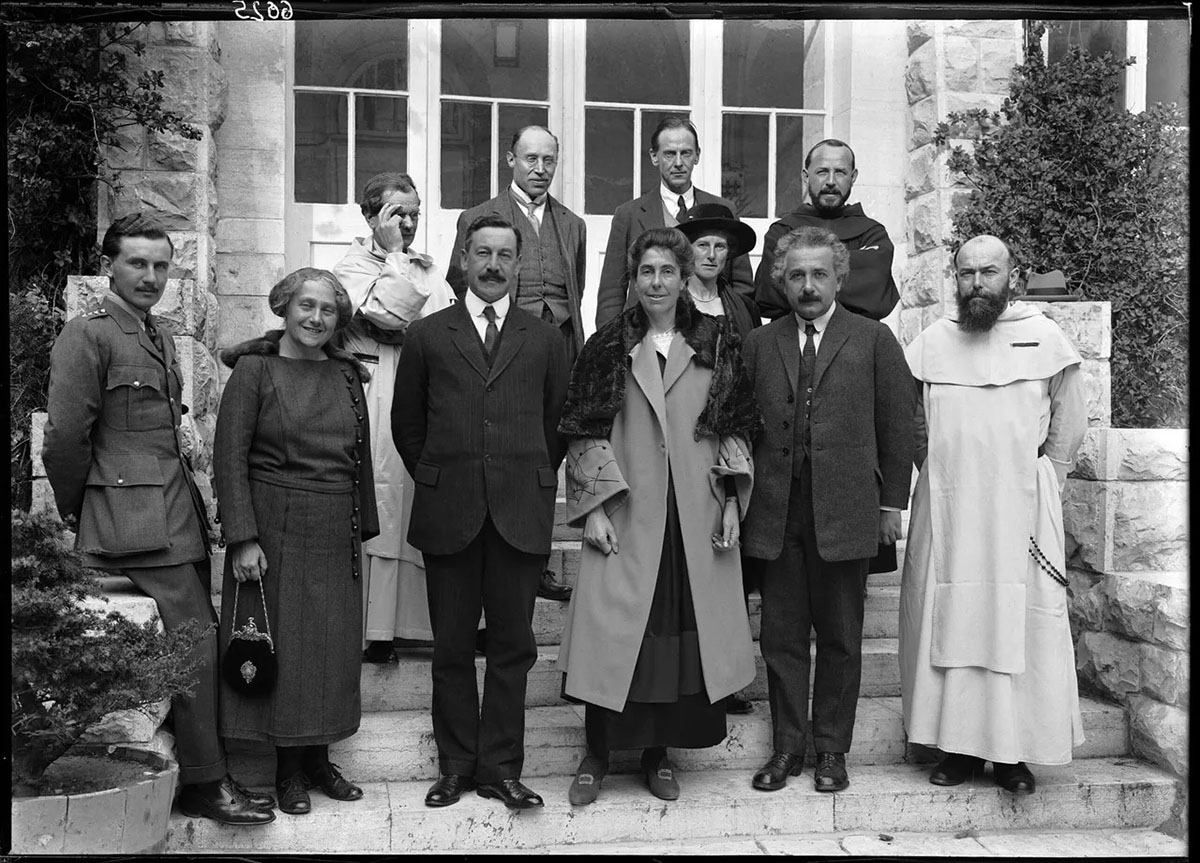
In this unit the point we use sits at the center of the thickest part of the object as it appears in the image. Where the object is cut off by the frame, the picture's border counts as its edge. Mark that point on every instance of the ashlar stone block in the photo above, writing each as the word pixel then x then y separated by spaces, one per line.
pixel 921 122
pixel 1087 324
pixel 1097 391
pixel 997 57
pixel 173 198
pixel 984 28
pixel 1149 526
pixel 137 725
pixel 1159 733
pixel 920 73
pixel 918 33
pixel 1149 454
pixel 925 279
pixel 199 372
pixel 170 151
pixel 1086 524
pixel 1166 674
pixel 1109 663
pixel 960 63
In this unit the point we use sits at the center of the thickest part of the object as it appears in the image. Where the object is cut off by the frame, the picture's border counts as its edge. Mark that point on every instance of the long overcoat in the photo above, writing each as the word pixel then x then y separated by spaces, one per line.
pixel 611 604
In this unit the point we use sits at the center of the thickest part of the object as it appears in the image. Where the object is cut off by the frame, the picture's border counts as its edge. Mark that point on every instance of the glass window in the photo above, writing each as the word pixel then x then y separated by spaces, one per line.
pixel 335 53
pixel 507 59
pixel 774 64
pixel 381 137
pixel 466 153
pixel 607 157
pixel 637 61
pixel 744 162
pixel 1095 37
pixel 794 136
pixel 321 148
pixel 1167 64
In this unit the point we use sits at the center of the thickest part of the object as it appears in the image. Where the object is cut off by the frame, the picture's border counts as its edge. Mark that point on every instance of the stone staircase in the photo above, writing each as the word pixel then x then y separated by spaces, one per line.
pixel 1106 803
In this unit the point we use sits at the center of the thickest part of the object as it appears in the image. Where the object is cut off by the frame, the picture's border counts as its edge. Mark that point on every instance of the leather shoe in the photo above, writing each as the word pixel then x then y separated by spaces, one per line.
pixel 774 774
pixel 830 774
pixel 661 779
pixel 448 789
pixel 380 653
pixel 1014 778
pixel 512 792
pixel 551 588
pixel 293 795
pixel 955 769
pixel 222 802
pixel 261 799
pixel 329 779
pixel 737 705
pixel 585 787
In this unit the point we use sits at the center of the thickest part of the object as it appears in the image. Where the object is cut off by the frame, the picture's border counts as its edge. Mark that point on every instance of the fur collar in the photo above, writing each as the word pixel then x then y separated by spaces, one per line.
pixel 267 345
pixel 597 390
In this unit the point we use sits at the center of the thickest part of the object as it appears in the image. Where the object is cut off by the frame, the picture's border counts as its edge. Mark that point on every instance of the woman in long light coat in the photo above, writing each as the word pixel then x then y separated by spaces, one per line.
pixel 661 416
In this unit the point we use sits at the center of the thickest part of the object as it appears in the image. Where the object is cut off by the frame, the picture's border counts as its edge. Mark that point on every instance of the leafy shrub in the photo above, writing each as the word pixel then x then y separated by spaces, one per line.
pixel 72 665
pixel 1075 182
pixel 70 93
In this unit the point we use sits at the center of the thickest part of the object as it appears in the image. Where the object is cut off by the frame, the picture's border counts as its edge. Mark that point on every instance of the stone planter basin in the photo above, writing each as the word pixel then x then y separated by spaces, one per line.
pixel 131 819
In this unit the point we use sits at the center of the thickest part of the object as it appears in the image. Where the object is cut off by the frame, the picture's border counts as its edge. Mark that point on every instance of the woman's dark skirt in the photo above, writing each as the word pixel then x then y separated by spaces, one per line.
pixel 314 605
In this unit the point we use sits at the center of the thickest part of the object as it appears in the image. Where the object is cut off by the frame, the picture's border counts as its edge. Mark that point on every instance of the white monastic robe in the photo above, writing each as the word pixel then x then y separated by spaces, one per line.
pixel 987 664
pixel 391 290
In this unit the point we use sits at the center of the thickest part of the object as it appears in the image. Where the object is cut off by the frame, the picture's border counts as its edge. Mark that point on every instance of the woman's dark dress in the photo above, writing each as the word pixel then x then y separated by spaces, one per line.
pixel 289 446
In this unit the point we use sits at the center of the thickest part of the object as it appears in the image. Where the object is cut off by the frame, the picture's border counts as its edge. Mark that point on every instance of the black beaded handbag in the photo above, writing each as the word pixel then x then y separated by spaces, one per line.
pixel 250 665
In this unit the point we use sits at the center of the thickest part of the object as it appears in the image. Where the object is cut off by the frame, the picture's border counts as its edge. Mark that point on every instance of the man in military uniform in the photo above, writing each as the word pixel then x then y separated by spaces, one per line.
pixel 113 457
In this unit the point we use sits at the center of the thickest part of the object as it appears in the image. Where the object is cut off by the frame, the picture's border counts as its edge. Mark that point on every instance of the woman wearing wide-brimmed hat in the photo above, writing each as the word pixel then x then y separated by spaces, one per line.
pixel 717 237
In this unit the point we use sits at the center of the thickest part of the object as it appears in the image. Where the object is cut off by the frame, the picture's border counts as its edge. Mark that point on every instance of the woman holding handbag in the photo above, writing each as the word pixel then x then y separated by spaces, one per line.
pixel 293 477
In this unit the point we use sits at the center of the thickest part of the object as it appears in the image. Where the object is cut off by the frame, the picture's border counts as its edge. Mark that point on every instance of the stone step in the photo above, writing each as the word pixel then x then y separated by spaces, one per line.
pixel 1093 793
pixel 1108 842
pixel 880 620
pixel 408 686
pixel 400 745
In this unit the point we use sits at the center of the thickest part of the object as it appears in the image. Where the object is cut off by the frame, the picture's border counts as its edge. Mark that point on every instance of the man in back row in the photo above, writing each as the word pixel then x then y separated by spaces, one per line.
pixel 829 176
pixel 675 151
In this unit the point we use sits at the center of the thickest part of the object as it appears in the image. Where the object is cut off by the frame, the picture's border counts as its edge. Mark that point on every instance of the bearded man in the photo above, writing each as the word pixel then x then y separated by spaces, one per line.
pixel 987 665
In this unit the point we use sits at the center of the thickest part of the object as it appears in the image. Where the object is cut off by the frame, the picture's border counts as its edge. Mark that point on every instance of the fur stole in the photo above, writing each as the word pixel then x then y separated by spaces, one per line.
pixel 597 390
pixel 267 345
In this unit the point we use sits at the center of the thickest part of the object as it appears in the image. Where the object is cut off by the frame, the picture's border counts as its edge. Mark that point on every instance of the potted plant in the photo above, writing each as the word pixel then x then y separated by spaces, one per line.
pixel 71 666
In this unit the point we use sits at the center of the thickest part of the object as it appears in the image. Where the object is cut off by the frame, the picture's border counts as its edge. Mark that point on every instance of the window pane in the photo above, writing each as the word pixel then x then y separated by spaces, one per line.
pixel 512 118
pixel 1167 64
pixel 774 64
pixel 637 61
pixel 321 148
pixel 381 137
pixel 370 54
pixel 744 163
pixel 609 179
pixel 503 59
pixel 794 137
pixel 651 178
pixel 466 154
pixel 1095 37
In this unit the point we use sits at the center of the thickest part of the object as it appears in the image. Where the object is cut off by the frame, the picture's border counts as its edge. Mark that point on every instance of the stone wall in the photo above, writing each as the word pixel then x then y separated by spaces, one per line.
pixel 1125 513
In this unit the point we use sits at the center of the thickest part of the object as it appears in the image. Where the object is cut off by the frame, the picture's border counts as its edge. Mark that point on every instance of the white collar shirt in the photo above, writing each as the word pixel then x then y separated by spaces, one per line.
pixel 475 307
pixel 820 323
pixel 539 209
pixel 671 199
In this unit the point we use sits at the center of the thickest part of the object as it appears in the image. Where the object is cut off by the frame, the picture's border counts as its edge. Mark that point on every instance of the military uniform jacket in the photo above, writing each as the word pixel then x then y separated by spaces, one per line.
pixel 112 449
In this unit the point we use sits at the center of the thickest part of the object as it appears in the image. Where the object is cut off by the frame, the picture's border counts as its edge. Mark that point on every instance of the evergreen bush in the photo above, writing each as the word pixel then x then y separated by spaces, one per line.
pixel 1074 181
pixel 72 665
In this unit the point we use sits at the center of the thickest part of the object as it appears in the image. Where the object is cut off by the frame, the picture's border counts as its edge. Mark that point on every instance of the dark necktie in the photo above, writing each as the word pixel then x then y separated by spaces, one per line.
pixel 152 332
pixel 809 358
pixel 681 216
pixel 491 334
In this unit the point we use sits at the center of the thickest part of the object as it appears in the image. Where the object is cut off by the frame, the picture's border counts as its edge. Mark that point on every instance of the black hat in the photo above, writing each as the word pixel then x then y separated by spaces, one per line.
pixel 706 218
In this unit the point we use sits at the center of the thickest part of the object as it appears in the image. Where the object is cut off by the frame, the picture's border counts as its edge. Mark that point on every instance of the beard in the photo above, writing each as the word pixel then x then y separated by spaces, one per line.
pixel 978 311
pixel 823 210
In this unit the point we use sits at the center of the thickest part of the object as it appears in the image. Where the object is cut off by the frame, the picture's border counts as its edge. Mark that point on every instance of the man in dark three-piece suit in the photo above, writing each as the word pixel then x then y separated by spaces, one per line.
pixel 550 282
pixel 479 390
pixel 833 468
pixel 675 151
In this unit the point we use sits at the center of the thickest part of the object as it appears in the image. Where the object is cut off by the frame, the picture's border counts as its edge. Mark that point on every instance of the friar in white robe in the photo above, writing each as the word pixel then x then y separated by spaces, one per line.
pixel 986 656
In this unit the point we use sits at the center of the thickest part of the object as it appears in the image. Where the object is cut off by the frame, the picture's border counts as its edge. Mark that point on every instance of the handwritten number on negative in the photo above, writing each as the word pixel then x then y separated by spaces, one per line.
pixel 281 11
